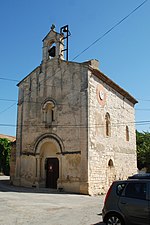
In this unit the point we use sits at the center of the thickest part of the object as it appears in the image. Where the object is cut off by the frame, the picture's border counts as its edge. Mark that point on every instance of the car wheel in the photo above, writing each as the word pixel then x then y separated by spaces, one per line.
pixel 114 219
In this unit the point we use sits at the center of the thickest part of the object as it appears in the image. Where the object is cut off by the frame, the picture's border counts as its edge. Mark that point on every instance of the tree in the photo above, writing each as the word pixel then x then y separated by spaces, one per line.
pixel 143 150
pixel 4 156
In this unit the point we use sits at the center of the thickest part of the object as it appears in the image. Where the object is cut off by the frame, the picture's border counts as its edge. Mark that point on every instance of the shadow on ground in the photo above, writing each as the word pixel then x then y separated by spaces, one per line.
pixel 100 223
pixel 6 186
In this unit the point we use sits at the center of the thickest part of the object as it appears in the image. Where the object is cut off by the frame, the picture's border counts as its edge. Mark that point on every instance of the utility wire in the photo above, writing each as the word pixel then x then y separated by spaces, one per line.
pixel 107 32
pixel 98 39
pixel 144 100
pixel 142 109
pixel 36 102
pixel 81 126
pixel 7 79
pixel 8 108
pixel 89 45
pixel 8 100
pixel 13 100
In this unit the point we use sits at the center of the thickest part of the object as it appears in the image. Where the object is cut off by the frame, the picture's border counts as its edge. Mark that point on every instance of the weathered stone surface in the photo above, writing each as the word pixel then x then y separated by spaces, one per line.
pixel 62 114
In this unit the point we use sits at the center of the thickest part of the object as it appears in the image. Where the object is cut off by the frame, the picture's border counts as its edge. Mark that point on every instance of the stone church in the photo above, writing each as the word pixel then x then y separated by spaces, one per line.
pixel 75 126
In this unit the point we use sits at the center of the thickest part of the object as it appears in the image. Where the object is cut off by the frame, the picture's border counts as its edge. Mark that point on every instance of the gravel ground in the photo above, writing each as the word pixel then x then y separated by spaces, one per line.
pixel 22 206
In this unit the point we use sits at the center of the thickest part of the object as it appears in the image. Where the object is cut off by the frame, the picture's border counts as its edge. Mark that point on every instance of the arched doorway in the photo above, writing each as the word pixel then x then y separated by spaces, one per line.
pixel 48 151
pixel 52 172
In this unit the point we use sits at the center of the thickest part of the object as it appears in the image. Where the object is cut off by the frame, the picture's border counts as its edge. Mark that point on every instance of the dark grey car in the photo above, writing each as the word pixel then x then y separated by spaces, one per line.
pixel 127 202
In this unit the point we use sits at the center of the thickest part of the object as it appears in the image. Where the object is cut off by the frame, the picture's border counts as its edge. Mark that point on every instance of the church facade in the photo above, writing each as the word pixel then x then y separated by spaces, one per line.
pixel 75 126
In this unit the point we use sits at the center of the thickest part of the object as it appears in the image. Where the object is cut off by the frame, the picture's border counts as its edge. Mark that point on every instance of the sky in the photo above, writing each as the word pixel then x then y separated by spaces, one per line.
pixel 123 53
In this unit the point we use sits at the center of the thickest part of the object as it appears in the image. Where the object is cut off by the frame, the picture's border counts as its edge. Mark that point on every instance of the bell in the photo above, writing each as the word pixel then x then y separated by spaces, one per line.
pixel 65 29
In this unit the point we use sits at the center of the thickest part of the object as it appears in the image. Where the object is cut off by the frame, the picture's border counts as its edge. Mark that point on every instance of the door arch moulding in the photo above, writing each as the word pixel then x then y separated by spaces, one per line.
pixel 48 138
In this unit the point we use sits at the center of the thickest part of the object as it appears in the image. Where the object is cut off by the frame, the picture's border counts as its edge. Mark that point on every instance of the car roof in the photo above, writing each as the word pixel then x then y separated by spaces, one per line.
pixel 140 176
pixel 131 181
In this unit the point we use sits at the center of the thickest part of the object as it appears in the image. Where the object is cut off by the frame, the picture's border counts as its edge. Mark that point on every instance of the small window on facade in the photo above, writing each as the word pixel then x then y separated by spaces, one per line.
pixel 110 163
pixel 108 124
pixel 48 113
pixel 127 133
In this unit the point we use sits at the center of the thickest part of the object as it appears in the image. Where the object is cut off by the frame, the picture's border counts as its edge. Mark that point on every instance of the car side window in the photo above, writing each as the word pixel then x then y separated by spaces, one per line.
pixel 120 188
pixel 136 190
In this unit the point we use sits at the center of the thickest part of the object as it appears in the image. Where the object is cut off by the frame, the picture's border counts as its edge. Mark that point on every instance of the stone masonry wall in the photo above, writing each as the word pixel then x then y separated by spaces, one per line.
pixel 90 159
pixel 113 149
pixel 65 84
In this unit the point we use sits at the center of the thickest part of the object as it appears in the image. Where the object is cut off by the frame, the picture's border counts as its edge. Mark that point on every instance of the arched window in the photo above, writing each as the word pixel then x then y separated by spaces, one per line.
pixel 108 124
pixel 111 174
pixel 110 163
pixel 48 113
pixel 127 133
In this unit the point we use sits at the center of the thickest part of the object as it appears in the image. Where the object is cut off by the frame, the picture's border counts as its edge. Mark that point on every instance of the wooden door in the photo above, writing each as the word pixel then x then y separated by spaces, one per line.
pixel 52 172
